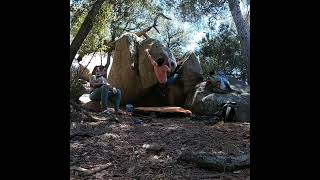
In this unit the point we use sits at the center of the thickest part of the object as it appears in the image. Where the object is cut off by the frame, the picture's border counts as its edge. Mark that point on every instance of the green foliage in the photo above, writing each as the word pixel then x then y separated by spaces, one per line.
pixel 172 35
pixel 130 16
pixel 223 52
pixel 211 11
pixel 94 40
pixel 112 21
pixel 195 10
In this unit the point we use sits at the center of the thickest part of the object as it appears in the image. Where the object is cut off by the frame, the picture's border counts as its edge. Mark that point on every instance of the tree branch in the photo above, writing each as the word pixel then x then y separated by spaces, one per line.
pixel 154 23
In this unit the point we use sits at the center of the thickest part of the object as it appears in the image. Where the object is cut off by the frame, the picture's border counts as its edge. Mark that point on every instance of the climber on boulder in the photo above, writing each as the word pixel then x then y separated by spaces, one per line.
pixel 161 69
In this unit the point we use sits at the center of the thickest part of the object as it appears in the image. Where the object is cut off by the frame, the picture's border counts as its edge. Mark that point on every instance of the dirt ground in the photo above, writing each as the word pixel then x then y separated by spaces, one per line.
pixel 121 144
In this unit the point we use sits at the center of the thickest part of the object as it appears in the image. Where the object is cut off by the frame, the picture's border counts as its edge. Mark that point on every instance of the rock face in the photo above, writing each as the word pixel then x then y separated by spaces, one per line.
pixel 204 102
pixel 77 68
pixel 157 50
pixel 93 106
pixel 238 85
pixel 136 83
pixel 139 85
pixel 86 75
pixel 121 75
pixel 76 90
pixel 191 75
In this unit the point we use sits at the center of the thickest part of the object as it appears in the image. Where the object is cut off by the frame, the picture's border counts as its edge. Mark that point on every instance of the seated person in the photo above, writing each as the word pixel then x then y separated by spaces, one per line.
pixel 103 91
pixel 218 82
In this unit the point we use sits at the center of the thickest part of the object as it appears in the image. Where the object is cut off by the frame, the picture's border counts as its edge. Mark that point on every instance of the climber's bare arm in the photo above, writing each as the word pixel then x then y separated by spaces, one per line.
pixel 153 62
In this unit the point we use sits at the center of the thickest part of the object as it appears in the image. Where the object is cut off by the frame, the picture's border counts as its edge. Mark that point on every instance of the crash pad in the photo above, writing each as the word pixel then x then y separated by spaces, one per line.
pixel 166 110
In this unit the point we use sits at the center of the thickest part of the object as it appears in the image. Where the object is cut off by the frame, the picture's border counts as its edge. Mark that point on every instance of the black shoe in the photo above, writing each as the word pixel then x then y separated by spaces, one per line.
pixel 106 112
pixel 166 91
pixel 161 91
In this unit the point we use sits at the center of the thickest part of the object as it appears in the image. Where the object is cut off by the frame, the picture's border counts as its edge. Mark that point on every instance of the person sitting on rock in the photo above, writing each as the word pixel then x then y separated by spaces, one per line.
pixel 102 91
pixel 161 70
pixel 218 82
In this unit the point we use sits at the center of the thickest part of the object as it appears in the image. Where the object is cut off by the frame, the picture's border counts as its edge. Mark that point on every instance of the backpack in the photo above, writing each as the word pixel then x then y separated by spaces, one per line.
pixel 228 112
pixel 225 84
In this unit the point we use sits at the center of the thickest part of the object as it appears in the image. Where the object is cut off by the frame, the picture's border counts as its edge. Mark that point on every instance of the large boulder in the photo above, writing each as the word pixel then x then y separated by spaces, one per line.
pixel 85 73
pixel 157 50
pixel 136 83
pixel 238 85
pixel 204 102
pixel 191 75
pixel 93 106
pixel 79 70
pixel 121 75
pixel 76 90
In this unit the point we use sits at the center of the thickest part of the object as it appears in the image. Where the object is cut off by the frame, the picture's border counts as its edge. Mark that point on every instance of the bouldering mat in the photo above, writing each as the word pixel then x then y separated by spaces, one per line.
pixel 163 111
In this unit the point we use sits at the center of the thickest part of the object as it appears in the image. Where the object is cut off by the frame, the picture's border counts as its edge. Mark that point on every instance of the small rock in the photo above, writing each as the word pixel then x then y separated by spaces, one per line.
pixel 156 157
pixel 153 147
pixel 230 148
pixel 137 121
pixel 156 124
pixel 92 106
pixel 110 136
pixel 115 119
pixel 131 170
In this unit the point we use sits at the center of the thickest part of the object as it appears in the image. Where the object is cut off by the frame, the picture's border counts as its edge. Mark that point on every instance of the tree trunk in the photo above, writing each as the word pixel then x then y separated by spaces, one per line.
pixel 113 37
pixel 243 31
pixel 108 60
pixel 84 29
